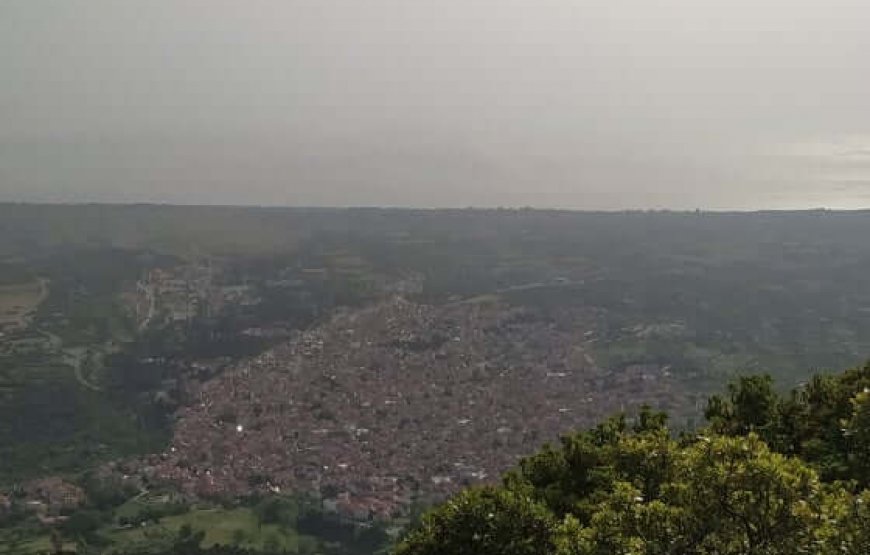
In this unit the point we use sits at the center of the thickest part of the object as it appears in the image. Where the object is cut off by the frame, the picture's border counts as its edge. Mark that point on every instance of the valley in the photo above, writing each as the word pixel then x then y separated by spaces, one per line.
pixel 374 362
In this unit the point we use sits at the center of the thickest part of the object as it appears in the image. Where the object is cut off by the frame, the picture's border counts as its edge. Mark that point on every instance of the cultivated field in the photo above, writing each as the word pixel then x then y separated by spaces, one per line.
pixel 19 301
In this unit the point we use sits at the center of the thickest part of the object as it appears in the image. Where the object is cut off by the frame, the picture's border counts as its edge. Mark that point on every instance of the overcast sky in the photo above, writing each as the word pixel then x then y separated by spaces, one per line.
pixel 610 104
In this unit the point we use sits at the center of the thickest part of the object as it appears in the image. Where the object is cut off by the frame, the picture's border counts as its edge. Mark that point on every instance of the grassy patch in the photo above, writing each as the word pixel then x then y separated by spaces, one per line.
pixel 237 527
pixel 222 527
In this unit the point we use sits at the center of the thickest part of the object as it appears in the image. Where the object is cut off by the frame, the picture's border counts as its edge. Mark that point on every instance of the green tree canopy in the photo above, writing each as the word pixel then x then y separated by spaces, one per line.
pixel 763 480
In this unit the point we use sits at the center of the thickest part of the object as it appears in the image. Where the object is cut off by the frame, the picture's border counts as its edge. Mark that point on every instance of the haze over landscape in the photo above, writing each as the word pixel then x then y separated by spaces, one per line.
pixel 414 277
pixel 586 105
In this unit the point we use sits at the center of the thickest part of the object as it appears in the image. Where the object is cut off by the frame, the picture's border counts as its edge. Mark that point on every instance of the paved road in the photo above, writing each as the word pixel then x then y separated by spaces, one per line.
pixel 520 287
pixel 74 357
pixel 152 305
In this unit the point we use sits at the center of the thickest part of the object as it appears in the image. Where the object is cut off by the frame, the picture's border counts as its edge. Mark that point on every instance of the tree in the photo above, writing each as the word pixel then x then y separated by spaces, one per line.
pixel 816 422
pixel 857 430
pixel 484 521
pixel 188 540
pixel 639 492
pixel 716 496
pixel 751 406
pixel 82 524
pixel 733 495
pixel 277 510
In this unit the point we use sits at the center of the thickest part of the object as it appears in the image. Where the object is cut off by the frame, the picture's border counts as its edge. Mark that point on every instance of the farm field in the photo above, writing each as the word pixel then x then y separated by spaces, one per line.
pixel 19 301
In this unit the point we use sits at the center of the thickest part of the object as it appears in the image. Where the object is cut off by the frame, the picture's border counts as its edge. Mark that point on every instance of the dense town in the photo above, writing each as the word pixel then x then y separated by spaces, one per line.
pixel 364 377
pixel 393 403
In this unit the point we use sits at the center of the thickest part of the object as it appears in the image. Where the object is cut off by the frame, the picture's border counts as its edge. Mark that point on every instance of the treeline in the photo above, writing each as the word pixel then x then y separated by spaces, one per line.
pixel 771 475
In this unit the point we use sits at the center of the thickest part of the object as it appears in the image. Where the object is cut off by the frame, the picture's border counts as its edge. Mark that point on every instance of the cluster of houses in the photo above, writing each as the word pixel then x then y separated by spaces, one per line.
pixel 179 294
pixel 49 498
pixel 396 402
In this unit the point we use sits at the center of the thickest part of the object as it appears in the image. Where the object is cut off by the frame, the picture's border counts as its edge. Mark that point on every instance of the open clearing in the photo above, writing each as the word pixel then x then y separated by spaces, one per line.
pixel 17 301
pixel 222 526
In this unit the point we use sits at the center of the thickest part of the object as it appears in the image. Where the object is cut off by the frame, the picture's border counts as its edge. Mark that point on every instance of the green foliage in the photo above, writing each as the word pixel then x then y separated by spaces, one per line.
pixel 106 493
pixel 188 539
pixel 82 525
pixel 857 431
pixel 751 406
pixel 277 510
pixel 634 490
pixel 486 521
pixel 826 422
pixel 154 513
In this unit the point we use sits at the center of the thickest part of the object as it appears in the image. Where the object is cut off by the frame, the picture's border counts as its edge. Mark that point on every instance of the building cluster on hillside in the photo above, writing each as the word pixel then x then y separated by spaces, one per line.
pixel 178 294
pixel 393 402
pixel 51 498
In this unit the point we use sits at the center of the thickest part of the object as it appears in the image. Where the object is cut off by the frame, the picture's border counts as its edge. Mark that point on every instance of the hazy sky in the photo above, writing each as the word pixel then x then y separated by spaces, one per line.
pixel 555 103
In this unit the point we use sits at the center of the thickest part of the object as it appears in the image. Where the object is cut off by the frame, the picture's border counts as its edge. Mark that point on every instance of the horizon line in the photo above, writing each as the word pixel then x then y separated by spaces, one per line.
pixel 409 208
